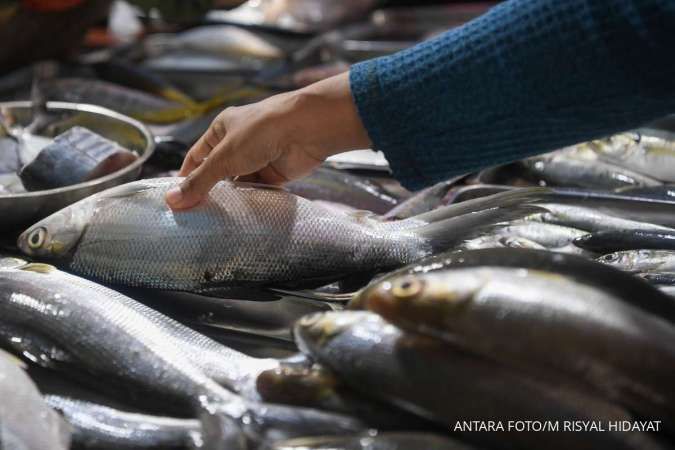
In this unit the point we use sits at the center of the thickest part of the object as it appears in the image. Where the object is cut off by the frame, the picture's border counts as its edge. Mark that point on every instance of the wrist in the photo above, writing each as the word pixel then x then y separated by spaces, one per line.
pixel 329 119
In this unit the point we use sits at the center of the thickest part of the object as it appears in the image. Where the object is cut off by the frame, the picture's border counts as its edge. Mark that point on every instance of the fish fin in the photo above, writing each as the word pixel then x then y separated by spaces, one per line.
pixel 315 295
pixel 445 234
pixel 38 268
pixel 502 199
pixel 126 190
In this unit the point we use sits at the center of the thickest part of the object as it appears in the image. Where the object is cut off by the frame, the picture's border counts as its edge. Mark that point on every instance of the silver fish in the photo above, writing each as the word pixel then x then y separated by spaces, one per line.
pixel 110 336
pixel 650 155
pixel 499 241
pixel 242 235
pixel 641 260
pixel 620 350
pixel 100 427
pixel 449 386
pixel 221 40
pixel 584 169
pixel 26 421
pixel 546 234
pixel 379 441
pixel 423 201
pixel 589 219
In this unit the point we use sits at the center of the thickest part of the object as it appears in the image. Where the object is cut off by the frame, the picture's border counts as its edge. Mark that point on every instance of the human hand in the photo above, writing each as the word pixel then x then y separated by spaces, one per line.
pixel 273 141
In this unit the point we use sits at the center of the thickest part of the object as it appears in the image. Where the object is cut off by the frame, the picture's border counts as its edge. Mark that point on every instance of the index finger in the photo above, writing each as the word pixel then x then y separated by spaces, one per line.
pixel 202 148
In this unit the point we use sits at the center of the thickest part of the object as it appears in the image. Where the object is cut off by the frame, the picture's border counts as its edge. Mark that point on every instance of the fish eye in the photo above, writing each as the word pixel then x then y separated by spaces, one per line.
pixel 37 238
pixel 407 287
pixel 611 257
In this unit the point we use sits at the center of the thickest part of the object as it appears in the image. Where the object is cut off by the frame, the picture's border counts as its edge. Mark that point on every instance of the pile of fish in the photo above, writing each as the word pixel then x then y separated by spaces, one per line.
pixel 528 306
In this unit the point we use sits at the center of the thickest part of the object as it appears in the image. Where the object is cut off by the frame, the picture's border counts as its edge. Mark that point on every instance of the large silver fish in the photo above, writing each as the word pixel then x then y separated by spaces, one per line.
pixel 110 336
pixel 435 380
pixel 26 421
pixel 242 235
pixel 542 321
pixel 101 427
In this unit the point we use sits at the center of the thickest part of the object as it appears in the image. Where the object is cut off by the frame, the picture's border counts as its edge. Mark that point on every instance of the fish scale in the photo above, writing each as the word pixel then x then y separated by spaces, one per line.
pixel 242 235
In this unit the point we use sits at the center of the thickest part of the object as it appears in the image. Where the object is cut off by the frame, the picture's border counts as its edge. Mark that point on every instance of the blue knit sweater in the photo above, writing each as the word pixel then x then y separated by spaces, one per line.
pixel 527 77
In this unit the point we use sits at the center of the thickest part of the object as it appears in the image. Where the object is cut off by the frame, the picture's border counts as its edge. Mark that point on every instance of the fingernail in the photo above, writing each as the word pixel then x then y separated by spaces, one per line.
pixel 174 196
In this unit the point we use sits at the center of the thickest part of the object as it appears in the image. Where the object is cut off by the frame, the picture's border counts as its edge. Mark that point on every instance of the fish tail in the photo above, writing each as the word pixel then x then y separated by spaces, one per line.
pixel 445 234
pixel 502 199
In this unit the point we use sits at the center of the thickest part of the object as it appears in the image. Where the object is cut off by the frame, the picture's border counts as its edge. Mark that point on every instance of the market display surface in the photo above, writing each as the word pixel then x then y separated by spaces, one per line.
pixel 527 306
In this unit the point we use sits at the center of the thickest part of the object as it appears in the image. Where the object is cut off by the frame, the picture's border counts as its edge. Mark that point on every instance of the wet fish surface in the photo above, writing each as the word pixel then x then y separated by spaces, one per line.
pixel 616 240
pixel 447 385
pixel 100 427
pixel 342 187
pixel 26 421
pixel 219 245
pixel 618 349
pixel 111 337
pixel 641 260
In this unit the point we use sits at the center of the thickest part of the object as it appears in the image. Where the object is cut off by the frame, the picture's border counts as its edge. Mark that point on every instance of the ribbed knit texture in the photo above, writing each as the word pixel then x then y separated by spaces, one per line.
pixel 527 77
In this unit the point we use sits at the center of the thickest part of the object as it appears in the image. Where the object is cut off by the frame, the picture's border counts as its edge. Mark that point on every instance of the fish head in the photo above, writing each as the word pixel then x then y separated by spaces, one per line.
pixel 297 385
pixel 56 236
pixel 622 260
pixel 432 299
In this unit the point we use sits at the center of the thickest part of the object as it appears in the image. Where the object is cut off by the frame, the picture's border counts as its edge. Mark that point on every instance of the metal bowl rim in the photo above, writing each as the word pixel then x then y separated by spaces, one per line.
pixel 95 109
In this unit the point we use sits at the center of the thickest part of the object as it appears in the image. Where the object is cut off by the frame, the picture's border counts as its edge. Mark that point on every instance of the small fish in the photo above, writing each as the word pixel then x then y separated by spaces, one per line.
pixel 618 349
pixel 26 421
pixel 575 169
pixel 342 187
pixel 649 155
pixel 111 336
pixel 659 278
pixel 101 427
pixel 73 157
pixel 499 241
pixel 546 234
pixel 641 260
pixel 218 245
pixel 379 441
pixel 429 378
pixel 589 219
pixel 616 240
pixel 221 40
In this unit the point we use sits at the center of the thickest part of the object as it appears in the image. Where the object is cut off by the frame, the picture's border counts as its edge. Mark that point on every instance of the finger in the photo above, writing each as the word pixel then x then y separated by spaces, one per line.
pixel 202 148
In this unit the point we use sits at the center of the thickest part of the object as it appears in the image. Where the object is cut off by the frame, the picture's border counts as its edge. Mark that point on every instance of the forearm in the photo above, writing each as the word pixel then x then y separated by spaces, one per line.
pixel 528 77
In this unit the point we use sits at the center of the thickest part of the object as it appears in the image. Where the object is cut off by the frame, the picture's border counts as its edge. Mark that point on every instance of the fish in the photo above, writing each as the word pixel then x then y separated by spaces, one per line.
pixel 437 381
pixel 101 427
pixel 619 350
pixel 75 156
pixel 650 155
pixel 342 187
pixel 423 201
pixel 631 290
pixel 588 219
pixel 499 241
pixel 641 260
pixel 220 40
pixel 218 244
pixel 26 421
pixel 109 95
pixel 378 441
pixel 659 278
pixel 109 336
pixel 584 170
pixel 616 240
pixel 665 192
pixel 545 234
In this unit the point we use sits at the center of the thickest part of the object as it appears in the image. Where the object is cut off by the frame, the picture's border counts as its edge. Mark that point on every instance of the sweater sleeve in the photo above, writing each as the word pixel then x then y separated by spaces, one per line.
pixel 527 77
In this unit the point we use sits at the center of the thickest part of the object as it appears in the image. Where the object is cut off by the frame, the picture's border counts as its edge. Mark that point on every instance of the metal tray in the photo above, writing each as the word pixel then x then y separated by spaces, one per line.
pixel 23 209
